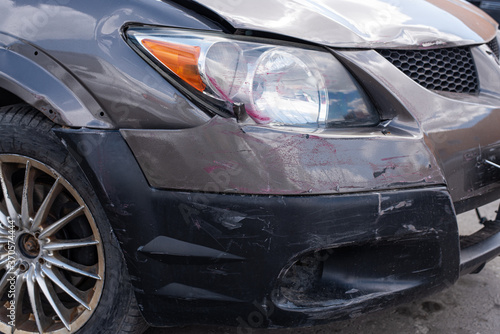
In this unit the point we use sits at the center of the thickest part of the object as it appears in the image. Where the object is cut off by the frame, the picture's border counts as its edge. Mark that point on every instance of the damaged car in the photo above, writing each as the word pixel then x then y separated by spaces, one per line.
pixel 248 163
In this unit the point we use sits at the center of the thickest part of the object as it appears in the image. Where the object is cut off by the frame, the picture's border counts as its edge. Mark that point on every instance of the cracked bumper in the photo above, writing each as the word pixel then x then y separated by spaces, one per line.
pixel 245 259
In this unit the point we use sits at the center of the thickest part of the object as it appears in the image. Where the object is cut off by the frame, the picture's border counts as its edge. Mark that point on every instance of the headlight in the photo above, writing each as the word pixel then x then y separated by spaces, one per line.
pixel 278 84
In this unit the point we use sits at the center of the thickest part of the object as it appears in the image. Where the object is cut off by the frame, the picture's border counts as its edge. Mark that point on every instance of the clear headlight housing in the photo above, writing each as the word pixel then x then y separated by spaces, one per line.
pixel 278 84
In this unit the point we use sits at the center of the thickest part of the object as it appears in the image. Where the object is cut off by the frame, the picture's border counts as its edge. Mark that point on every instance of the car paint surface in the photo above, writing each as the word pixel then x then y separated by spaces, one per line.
pixel 363 24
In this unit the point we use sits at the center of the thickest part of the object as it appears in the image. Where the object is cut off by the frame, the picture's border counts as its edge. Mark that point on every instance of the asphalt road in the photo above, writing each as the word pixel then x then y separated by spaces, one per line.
pixel 472 306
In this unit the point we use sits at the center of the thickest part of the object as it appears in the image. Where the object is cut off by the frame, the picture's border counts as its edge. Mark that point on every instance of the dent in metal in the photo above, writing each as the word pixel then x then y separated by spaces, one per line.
pixel 223 156
pixel 459 129
pixel 361 23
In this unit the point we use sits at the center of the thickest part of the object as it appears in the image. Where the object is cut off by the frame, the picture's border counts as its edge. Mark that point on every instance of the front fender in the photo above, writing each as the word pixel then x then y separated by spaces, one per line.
pixel 42 82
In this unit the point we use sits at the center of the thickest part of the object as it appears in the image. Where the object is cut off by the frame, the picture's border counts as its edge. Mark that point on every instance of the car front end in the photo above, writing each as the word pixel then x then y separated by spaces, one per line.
pixel 280 167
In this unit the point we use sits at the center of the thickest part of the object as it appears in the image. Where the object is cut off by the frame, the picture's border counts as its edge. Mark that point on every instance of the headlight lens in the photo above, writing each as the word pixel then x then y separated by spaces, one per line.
pixel 278 84
pixel 286 90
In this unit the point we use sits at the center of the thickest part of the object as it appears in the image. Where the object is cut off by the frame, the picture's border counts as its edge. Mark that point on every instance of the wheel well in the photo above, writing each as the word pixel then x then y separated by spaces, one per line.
pixel 7 98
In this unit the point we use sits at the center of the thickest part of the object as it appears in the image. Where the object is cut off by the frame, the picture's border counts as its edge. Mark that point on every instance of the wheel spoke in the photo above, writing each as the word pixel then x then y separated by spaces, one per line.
pixel 5 280
pixel 63 263
pixel 19 299
pixel 3 231
pixel 3 220
pixel 27 199
pixel 59 280
pixel 69 244
pixel 54 227
pixel 8 193
pixel 4 259
pixel 35 300
pixel 43 212
pixel 50 294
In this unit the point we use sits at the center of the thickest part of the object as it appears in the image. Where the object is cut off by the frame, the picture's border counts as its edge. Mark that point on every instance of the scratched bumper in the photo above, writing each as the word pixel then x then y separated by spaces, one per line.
pixel 246 260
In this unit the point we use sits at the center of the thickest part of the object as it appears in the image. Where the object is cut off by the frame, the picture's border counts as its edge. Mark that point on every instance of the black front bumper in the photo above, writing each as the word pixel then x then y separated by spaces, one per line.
pixel 265 261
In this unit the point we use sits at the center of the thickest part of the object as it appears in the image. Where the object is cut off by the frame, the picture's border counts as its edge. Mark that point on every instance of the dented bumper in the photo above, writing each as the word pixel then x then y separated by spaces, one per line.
pixel 267 261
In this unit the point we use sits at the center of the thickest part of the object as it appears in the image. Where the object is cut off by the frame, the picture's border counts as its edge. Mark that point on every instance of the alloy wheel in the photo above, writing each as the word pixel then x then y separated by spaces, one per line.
pixel 51 254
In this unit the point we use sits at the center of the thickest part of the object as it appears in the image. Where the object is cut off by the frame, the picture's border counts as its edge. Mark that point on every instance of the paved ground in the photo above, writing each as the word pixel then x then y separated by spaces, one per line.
pixel 472 306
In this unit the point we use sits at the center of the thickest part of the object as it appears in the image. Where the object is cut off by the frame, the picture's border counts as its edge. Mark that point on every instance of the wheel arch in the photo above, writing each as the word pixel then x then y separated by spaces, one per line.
pixel 28 74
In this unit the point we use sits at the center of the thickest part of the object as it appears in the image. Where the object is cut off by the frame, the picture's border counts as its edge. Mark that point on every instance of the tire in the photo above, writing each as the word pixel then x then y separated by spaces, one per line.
pixel 61 267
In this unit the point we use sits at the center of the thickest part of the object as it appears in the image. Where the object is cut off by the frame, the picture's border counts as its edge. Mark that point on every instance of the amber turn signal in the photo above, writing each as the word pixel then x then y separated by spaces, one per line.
pixel 180 59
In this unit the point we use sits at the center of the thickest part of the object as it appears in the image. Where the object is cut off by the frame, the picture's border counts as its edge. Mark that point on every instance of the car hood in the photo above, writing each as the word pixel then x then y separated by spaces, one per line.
pixel 363 23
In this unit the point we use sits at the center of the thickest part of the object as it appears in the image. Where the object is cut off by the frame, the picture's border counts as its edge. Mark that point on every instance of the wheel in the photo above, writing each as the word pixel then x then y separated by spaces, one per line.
pixel 61 269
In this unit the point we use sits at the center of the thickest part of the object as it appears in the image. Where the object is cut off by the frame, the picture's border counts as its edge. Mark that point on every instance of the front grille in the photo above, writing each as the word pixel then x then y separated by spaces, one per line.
pixel 448 70
pixel 494 47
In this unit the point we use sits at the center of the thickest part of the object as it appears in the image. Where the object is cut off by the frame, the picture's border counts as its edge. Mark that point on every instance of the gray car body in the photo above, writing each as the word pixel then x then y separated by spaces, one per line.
pixel 363 24
pixel 71 61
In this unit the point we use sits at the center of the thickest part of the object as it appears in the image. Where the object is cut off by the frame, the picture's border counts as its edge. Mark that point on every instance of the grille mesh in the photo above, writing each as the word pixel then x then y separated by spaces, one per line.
pixel 449 70
pixel 494 47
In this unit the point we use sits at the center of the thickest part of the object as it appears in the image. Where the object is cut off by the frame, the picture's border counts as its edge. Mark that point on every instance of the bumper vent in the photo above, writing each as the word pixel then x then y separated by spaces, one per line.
pixel 494 47
pixel 448 70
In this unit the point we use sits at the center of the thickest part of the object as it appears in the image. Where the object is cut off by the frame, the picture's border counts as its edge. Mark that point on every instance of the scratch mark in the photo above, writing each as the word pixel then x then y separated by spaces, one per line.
pixel 377 174
pixel 233 222
pixel 411 228
pixel 399 157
